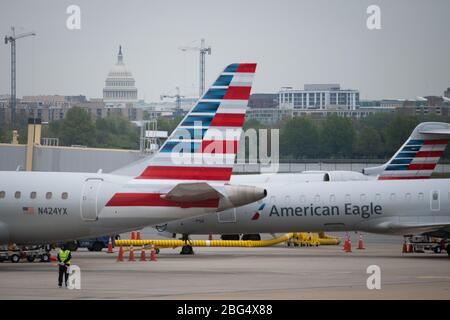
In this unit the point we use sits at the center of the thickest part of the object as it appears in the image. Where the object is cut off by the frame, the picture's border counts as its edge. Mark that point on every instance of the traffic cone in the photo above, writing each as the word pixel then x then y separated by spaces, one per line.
pixel 360 243
pixel 210 237
pixel 345 245
pixel 349 244
pixel 133 236
pixel 143 254
pixel 110 248
pixel 152 253
pixel 138 236
pixel 409 248
pixel 405 248
pixel 131 255
pixel 120 256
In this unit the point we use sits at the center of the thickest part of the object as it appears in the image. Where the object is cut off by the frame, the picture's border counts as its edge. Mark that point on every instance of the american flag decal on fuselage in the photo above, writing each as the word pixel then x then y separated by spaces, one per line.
pixel 204 145
pixel 417 159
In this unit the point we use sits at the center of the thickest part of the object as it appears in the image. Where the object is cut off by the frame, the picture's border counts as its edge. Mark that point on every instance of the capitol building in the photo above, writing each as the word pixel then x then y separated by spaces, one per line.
pixel 119 90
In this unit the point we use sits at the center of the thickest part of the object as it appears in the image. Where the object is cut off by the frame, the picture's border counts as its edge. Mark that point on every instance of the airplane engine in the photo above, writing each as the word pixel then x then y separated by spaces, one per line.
pixel 239 195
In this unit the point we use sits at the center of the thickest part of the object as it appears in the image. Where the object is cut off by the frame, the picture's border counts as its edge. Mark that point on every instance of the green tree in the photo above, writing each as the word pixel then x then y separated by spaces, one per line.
pixel 116 132
pixel 168 125
pixel 299 138
pixel 368 143
pixel 76 128
pixel 397 131
pixel 336 137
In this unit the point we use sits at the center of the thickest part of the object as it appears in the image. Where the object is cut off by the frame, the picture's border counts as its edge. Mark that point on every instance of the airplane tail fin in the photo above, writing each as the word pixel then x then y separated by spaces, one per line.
pixel 418 156
pixel 204 145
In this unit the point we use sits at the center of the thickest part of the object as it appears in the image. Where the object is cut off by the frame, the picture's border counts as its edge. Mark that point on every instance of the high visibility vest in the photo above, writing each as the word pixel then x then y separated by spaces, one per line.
pixel 63 255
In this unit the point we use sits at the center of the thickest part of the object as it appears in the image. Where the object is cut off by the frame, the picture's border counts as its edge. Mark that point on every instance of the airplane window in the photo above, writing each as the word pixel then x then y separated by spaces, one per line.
pixel 347 198
pixel 17 195
pixel 64 195
pixel 377 197
pixel 332 198
pixel 408 196
pixel 48 195
pixel 392 196
pixel 363 197
pixel 435 195
pixel 420 196
pixel 33 195
pixel 302 198
pixel 2 194
pixel 317 198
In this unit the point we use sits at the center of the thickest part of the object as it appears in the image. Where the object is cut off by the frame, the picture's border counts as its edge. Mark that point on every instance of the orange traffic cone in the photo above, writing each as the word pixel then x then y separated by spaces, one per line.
pixel 360 243
pixel 110 248
pixel 348 247
pixel 120 256
pixel 142 254
pixel 152 253
pixel 138 237
pixel 345 245
pixel 132 236
pixel 410 248
pixel 210 237
pixel 131 255
pixel 405 248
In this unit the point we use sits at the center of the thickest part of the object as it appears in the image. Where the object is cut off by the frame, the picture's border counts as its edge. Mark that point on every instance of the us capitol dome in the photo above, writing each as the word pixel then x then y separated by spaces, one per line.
pixel 119 90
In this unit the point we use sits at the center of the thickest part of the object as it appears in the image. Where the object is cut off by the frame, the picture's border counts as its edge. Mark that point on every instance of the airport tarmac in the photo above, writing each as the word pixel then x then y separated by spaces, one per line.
pixel 240 273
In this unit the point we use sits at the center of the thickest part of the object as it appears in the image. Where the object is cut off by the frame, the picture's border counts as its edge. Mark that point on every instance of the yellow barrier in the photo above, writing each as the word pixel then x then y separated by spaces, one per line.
pixel 313 239
pixel 204 243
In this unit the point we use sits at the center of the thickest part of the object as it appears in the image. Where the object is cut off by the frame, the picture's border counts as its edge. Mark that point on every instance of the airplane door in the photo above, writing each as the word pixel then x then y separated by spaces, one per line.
pixel 227 216
pixel 89 199
pixel 435 204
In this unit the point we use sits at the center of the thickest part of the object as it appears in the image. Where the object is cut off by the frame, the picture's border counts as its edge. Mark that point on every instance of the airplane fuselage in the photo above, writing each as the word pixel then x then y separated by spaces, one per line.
pixel 42 207
pixel 372 206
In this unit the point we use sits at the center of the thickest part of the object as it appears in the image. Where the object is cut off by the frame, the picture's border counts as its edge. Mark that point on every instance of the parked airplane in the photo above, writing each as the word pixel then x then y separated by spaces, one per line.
pixel 395 198
pixel 44 207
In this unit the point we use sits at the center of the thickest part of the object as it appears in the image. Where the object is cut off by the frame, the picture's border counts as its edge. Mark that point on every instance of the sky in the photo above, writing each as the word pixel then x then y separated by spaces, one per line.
pixel 294 42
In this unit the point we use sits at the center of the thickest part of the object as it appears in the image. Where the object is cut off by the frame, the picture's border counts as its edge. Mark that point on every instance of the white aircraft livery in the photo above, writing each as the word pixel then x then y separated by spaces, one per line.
pixel 45 207
pixel 395 198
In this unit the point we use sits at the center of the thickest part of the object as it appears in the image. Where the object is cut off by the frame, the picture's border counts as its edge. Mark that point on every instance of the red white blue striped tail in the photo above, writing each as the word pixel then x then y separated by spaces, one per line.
pixel 204 145
pixel 418 157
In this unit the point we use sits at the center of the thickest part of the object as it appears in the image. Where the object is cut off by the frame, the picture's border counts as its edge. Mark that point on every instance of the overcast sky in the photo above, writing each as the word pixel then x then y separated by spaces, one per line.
pixel 294 42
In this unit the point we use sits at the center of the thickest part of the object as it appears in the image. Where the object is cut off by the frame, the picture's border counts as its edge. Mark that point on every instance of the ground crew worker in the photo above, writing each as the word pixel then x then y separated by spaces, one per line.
pixel 64 257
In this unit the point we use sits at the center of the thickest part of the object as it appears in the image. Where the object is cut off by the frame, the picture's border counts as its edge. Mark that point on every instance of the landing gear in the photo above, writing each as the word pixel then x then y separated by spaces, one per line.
pixel 187 248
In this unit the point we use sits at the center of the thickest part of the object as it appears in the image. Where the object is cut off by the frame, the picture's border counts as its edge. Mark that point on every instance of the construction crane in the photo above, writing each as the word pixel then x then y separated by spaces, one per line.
pixel 203 51
pixel 177 97
pixel 12 39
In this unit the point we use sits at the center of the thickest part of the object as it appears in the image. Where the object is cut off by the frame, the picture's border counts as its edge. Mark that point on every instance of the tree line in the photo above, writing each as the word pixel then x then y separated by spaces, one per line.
pixel 377 136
